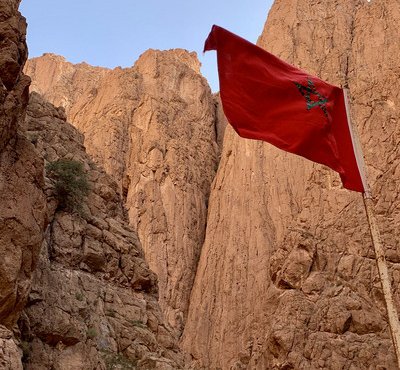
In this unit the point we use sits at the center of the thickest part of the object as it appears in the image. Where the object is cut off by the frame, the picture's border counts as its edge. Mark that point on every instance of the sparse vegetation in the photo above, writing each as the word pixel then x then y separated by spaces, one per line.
pixel 117 361
pixel 32 136
pixel 70 183
pixel 79 296
pixel 91 333
pixel 138 323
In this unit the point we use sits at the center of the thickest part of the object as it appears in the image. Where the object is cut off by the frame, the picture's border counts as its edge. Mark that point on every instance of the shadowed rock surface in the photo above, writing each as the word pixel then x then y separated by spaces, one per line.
pixel 93 303
pixel 22 201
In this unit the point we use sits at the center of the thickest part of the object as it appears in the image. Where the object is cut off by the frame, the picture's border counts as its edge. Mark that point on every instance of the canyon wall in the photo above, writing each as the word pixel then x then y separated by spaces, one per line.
pixel 22 201
pixel 93 302
pixel 75 290
pixel 152 127
pixel 287 276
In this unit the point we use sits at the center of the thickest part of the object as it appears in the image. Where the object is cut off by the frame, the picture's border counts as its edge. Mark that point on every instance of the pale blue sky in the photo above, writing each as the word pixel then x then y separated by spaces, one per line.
pixel 113 33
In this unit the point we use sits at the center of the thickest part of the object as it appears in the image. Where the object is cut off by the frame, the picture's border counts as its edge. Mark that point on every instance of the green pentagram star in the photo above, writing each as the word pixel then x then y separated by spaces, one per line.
pixel 308 91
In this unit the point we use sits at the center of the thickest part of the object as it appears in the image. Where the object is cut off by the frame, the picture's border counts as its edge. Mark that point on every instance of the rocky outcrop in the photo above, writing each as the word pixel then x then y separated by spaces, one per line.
pixel 14 85
pixel 93 302
pixel 152 127
pixel 10 353
pixel 79 289
pixel 287 276
pixel 170 173
pixel 221 121
pixel 22 201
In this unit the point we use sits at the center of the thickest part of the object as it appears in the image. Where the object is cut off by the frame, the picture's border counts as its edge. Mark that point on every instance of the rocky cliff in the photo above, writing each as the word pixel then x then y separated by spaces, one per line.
pixel 287 277
pixel 152 127
pixel 93 302
pixel 75 290
pixel 22 201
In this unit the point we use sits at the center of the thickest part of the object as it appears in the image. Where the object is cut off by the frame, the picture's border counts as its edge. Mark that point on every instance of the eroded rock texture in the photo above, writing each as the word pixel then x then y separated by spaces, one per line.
pixel 10 353
pixel 93 303
pixel 152 128
pixel 22 201
pixel 287 277
pixel 14 84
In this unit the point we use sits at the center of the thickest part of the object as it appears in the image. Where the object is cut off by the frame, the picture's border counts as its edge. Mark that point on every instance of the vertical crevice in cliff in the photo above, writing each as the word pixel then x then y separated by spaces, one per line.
pixel 349 49
pixel 49 235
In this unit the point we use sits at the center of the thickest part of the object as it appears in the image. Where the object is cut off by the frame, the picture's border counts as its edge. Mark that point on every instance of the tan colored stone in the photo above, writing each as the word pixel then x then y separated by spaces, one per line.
pixel 14 84
pixel 10 354
pixel 152 127
pixel 287 277
pixel 93 254
pixel 22 201
pixel 221 121
pixel 93 292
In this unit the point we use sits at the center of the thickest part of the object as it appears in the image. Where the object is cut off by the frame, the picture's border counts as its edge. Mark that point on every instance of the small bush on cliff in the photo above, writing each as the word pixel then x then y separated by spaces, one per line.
pixel 118 361
pixel 91 333
pixel 70 183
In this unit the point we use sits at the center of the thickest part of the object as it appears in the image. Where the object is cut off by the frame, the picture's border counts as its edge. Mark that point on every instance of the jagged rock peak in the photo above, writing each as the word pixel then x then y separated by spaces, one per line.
pixel 180 56
pixel 52 56
pixel 153 128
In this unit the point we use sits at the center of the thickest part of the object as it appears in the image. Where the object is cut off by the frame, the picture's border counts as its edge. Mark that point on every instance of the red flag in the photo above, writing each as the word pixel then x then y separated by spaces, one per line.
pixel 265 98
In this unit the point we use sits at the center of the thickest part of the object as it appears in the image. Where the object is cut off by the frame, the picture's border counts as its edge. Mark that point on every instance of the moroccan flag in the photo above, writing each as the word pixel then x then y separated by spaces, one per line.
pixel 265 98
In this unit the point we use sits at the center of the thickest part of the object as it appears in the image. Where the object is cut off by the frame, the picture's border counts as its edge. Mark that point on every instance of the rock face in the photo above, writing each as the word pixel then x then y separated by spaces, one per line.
pixel 152 127
pixel 287 276
pixel 76 284
pixel 93 303
pixel 22 201
pixel 13 96
pixel 10 353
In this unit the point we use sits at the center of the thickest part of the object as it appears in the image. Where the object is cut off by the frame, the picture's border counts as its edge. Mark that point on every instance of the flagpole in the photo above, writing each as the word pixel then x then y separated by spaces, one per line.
pixel 376 239
pixel 384 276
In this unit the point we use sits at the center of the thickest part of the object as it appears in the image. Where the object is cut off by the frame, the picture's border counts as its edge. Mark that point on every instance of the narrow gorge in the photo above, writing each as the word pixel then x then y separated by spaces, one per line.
pixel 195 248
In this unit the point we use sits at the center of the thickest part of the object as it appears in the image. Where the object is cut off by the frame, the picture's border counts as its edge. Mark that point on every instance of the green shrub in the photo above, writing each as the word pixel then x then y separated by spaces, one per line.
pixel 91 333
pixel 79 296
pixel 118 361
pixel 70 183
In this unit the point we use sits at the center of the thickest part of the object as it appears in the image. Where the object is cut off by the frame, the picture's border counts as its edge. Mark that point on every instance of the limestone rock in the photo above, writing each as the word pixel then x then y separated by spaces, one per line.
pixel 14 85
pixel 93 302
pixel 221 121
pixel 10 354
pixel 152 127
pixel 170 173
pixel 22 201
pixel 287 277
pixel 22 221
